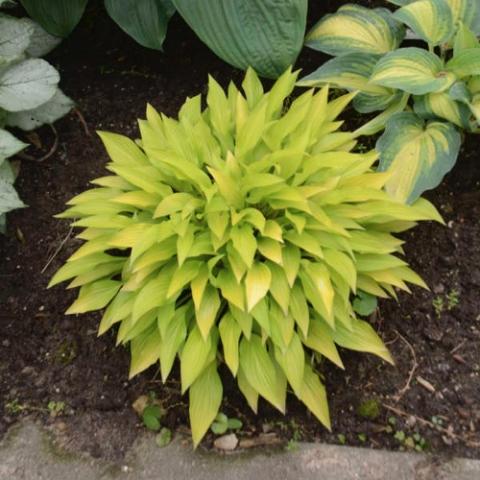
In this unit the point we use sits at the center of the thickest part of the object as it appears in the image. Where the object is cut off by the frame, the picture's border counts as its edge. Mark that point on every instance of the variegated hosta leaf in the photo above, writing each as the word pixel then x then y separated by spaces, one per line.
pixel 465 63
pixel 413 70
pixel 416 154
pixel 352 72
pixel 441 105
pixel 464 39
pixel 431 20
pixel 466 11
pixel 469 95
pixel 354 28
pixel 240 232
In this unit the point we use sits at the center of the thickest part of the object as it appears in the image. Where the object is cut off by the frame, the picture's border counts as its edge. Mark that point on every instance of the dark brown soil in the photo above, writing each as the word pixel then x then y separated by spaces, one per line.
pixel 46 356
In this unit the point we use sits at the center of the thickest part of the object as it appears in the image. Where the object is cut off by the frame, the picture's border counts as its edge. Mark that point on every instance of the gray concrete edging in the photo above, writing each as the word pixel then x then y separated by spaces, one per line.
pixel 26 453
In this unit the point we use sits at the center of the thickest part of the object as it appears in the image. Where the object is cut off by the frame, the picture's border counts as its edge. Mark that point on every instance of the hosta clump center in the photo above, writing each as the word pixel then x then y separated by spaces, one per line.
pixel 239 234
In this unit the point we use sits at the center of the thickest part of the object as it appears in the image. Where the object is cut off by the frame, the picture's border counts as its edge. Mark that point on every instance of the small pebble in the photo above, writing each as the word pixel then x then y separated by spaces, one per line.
pixel 226 442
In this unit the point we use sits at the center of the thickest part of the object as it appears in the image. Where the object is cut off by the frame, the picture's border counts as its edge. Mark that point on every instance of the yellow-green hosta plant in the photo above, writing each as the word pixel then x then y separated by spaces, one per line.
pixel 438 86
pixel 240 234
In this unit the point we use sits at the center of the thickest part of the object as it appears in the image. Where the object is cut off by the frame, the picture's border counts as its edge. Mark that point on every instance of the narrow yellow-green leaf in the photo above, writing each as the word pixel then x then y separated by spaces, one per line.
pixel 205 399
pixel 94 296
pixel 257 284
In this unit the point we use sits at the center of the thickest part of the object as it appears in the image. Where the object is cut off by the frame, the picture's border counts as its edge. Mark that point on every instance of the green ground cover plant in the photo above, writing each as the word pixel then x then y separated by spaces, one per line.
pixel 29 95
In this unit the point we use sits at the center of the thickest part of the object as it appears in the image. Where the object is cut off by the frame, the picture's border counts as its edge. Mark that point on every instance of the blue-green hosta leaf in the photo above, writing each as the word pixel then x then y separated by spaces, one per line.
pixel 441 105
pixel 466 63
pixel 412 70
pixel 49 112
pixel 14 37
pixel 354 28
pixel 27 85
pixel 58 17
pixel 9 145
pixel 431 20
pixel 417 154
pixel 264 34
pixel 144 20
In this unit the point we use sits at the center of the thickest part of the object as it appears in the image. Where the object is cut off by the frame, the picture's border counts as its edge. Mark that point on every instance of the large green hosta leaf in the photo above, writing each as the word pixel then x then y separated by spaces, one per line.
pixel 265 34
pixel 58 17
pixel 144 20
pixel 354 28
pixel 417 154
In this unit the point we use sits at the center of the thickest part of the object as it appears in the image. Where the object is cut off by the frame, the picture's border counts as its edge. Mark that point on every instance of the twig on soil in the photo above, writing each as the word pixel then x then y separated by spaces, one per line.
pixel 58 249
pixel 423 421
pixel 402 392
pixel 52 150
pixel 425 384
pixel 83 122
pixel 458 347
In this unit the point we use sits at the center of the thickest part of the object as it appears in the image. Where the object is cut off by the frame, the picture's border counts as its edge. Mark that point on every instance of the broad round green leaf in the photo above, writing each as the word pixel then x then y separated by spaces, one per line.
pixel 9 145
pixel 57 17
pixel 417 154
pixel 41 42
pixel 264 34
pixel 9 199
pixel 27 85
pixel 49 112
pixel 144 20
pixel 15 37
